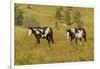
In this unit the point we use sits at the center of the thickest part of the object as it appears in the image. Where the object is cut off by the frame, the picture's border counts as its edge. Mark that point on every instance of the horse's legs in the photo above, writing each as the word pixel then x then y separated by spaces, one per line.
pixel 84 37
pixel 71 40
pixel 48 40
pixel 80 41
pixel 38 40
pixel 76 40
pixel 51 38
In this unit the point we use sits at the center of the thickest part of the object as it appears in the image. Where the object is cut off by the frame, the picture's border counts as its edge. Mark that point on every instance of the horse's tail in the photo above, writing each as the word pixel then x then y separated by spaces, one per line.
pixel 84 35
pixel 51 35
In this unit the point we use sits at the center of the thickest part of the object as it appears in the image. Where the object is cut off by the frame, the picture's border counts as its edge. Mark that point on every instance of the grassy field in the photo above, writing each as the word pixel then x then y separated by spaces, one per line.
pixel 27 52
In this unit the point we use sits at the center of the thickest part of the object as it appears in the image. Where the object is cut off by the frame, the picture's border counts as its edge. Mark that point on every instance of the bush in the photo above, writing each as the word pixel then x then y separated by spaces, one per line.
pixel 67 17
pixel 18 16
pixel 30 21
pixel 58 15
pixel 77 18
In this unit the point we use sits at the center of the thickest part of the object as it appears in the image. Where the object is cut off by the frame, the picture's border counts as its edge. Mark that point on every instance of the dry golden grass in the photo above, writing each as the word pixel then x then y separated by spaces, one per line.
pixel 27 52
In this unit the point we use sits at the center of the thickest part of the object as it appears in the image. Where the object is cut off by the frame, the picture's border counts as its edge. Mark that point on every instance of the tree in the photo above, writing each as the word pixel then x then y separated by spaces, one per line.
pixel 67 17
pixel 58 16
pixel 30 21
pixel 77 18
pixel 18 16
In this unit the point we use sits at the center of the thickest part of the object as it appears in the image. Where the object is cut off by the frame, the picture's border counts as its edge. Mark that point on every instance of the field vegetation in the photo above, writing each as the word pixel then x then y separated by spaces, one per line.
pixel 28 52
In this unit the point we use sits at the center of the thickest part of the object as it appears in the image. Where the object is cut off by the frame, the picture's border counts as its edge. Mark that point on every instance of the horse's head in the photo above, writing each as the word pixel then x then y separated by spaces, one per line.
pixel 30 30
pixel 68 31
pixel 34 30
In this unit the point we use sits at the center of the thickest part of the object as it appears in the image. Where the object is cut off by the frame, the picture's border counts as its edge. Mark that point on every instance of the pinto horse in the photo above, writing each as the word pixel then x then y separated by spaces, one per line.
pixel 76 33
pixel 42 33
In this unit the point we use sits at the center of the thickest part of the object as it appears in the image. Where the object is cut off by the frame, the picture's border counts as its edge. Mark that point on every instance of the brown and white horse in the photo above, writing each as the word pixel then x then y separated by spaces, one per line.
pixel 42 33
pixel 76 33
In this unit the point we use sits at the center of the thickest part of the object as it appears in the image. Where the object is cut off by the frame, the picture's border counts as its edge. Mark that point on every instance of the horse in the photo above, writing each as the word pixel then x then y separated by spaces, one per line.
pixel 41 33
pixel 76 33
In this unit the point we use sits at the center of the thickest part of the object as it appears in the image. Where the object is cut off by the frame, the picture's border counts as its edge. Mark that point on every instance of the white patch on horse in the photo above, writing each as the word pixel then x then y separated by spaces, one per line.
pixel 79 34
pixel 41 30
pixel 46 32
pixel 30 32
pixel 73 30
pixel 37 32
pixel 67 35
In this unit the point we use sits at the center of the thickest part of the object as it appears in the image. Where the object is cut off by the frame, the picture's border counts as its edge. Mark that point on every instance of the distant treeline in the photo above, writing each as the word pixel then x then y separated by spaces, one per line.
pixel 67 15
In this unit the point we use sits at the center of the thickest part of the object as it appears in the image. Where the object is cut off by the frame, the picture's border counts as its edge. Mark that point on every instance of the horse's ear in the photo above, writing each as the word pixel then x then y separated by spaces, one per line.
pixel 29 27
pixel 67 29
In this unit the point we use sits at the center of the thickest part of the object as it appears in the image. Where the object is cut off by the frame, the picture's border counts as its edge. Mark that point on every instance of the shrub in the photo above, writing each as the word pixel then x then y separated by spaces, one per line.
pixel 30 21
pixel 77 18
pixel 67 17
pixel 18 16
